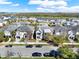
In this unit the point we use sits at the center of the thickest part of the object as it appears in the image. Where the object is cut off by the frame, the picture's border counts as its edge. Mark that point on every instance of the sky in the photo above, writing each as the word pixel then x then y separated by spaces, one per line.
pixel 39 6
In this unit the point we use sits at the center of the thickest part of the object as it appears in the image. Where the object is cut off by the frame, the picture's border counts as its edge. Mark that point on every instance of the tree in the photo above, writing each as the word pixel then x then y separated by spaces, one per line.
pixel 2 36
pixel 59 39
pixel 67 53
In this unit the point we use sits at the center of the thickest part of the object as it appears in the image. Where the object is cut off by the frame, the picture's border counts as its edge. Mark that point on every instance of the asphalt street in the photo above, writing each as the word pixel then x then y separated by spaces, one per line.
pixel 23 51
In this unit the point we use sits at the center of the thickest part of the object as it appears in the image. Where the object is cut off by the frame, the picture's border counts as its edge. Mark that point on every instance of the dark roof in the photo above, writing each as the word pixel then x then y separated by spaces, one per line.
pixel 59 28
pixel 11 27
pixel 75 28
pixel 17 25
pixel 25 28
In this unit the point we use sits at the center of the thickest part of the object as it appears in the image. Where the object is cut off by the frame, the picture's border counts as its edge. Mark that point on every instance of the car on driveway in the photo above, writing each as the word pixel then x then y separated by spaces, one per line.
pixel 8 45
pixel 46 54
pixel 36 54
pixel 29 46
pixel 38 46
pixel 54 53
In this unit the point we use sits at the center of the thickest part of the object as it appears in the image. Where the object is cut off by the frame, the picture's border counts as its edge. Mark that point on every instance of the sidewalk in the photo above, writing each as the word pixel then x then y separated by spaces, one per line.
pixel 4 43
pixel 70 43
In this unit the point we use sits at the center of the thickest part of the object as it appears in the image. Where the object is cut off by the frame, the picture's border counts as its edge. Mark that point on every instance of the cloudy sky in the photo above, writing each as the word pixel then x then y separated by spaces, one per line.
pixel 39 5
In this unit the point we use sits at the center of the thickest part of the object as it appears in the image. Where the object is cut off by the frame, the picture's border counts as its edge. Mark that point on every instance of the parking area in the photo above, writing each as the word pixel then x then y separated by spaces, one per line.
pixel 24 51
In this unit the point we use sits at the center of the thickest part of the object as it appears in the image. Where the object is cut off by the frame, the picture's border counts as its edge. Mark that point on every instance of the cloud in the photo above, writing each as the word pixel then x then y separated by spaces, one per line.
pixel 71 9
pixel 54 6
pixel 35 2
pixel 15 4
pixel 5 2
pixel 49 3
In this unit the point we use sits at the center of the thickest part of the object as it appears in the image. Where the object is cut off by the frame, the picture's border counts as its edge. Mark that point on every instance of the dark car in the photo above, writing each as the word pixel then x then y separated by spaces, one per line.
pixel 8 46
pixel 46 54
pixel 38 46
pixel 54 53
pixel 29 46
pixel 36 54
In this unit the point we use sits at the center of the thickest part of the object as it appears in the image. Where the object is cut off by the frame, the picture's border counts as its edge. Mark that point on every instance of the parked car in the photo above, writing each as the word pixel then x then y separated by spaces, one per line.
pixel 47 54
pixel 36 54
pixel 29 46
pixel 54 53
pixel 38 46
pixel 8 45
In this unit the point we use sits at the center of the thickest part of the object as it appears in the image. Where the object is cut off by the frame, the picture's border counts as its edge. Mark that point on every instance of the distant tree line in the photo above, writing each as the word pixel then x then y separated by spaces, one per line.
pixel 48 14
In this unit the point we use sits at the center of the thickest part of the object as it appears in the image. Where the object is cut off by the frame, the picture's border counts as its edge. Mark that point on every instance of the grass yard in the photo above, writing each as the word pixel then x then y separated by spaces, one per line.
pixel 28 58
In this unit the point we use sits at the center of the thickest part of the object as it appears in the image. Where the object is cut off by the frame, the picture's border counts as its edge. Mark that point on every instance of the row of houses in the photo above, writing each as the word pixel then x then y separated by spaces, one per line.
pixel 53 21
pixel 23 30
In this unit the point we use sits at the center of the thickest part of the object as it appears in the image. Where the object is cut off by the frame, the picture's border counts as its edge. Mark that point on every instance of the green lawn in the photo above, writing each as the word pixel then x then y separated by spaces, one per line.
pixel 28 58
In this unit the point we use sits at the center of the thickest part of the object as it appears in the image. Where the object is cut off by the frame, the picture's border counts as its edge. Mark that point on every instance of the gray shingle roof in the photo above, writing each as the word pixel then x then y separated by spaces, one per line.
pixel 18 25
pixel 11 28
pixel 25 28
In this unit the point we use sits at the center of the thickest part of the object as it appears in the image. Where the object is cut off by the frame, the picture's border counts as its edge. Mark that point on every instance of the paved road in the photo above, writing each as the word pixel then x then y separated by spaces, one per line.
pixel 23 51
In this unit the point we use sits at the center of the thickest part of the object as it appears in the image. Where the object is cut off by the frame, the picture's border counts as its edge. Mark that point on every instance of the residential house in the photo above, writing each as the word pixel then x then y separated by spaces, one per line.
pixel 24 31
pixel 2 23
pixel 58 30
pixel 71 35
pixel 8 30
pixel 32 18
pixel 47 31
pixel 7 33
pixel 39 35
pixel 6 17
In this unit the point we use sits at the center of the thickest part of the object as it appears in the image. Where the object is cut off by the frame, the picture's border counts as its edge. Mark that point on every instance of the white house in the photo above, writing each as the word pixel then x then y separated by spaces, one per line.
pixel 2 23
pixel 19 35
pixel 71 35
pixel 7 33
pixel 57 33
pixel 68 23
pixel 32 18
pixel 4 17
pixel 24 31
pixel 47 31
pixel 39 35
pixel 70 32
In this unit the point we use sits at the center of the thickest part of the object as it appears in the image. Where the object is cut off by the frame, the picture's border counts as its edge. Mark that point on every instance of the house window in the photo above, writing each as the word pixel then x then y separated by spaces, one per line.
pixel 38 33
pixel 9 36
pixel 25 36
pixel 38 37
pixel 18 37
